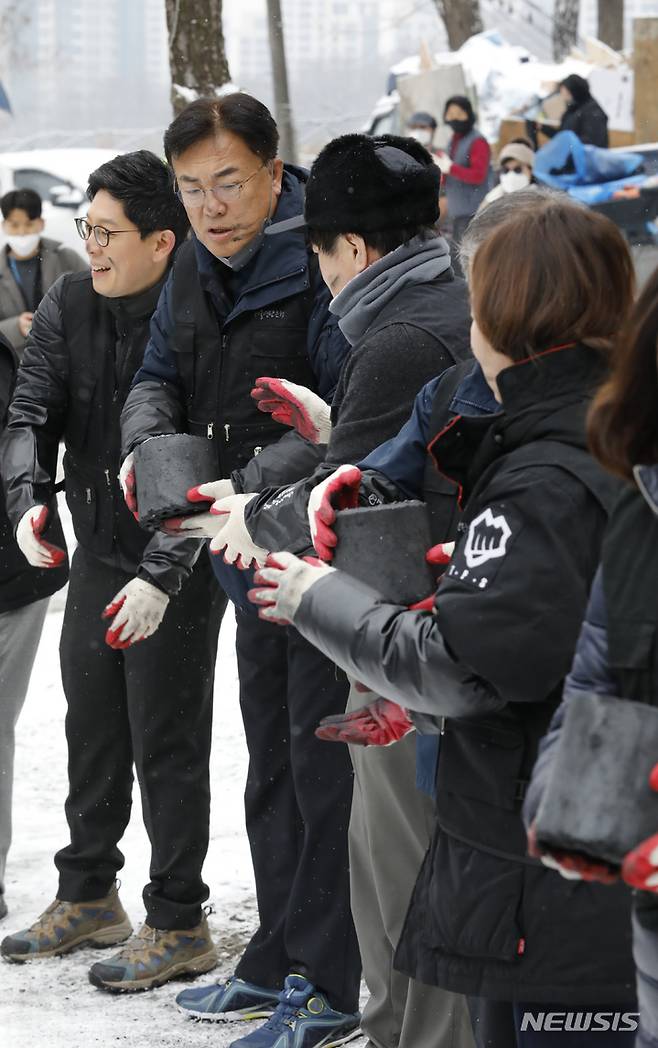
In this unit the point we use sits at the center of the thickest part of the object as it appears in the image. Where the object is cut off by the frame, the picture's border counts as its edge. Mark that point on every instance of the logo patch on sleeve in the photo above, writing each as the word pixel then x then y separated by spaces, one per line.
pixel 488 539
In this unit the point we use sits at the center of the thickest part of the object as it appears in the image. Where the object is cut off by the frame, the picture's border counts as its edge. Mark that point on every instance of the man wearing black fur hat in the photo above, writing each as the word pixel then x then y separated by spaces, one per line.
pixel 371 210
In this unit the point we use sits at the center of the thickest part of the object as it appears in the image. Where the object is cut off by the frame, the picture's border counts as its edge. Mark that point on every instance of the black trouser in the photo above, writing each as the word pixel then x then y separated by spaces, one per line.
pixel 514 1024
pixel 150 705
pixel 297 801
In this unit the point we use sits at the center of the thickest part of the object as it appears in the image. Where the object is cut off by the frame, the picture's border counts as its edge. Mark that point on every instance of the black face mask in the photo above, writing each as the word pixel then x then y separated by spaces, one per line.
pixel 460 127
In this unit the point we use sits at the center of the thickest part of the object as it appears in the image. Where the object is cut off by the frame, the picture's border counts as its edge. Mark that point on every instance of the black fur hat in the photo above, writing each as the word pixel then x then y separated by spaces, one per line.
pixel 360 184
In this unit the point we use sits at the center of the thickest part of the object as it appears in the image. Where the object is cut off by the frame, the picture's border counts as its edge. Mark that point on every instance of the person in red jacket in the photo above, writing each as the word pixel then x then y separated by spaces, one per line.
pixel 466 167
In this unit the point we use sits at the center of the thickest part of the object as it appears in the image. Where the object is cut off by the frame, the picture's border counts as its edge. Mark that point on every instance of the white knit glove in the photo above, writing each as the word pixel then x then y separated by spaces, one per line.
pixel 294 406
pixel 232 537
pixel 138 610
pixel 201 525
pixel 282 583
pixel 37 552
pixel 127 482
pixel 444 163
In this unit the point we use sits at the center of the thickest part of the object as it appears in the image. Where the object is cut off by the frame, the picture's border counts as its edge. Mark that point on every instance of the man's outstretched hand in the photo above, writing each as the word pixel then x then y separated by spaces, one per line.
pixel 294 406
pixel 380 723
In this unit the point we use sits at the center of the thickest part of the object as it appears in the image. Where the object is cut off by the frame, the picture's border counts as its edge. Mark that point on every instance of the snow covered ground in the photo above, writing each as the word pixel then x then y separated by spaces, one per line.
pixel 51 1004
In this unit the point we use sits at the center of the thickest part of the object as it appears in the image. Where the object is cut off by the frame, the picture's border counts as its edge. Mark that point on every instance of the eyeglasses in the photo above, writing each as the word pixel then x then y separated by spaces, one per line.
pixel 101 234
pixel 224 192
pixel 518 170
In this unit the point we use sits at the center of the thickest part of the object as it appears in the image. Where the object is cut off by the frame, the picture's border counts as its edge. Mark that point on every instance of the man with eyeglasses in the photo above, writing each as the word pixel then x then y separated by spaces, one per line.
pixel 138 676
pixel 238 306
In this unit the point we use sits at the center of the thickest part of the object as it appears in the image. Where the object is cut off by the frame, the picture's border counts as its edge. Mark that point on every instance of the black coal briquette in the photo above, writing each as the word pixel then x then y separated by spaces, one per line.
pixel 385 546
pixel 166 468
pixel 598 800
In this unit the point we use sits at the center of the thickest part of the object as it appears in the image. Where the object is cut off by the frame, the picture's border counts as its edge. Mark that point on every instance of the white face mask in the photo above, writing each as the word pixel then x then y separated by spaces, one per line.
pixel 25 245
pixel 513 180
pixel 422 135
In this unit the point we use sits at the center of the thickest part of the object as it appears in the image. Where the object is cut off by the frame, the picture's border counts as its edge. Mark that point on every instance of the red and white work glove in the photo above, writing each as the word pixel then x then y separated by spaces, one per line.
pixel 338 491
pixel 231 535
pixel 200 525
pixel 138 610
pixel 640 866
pixel 128 484
pixel 571 865
pixel 282 583
pixel 380 723
pixel 35 549
pixel 294 406
pixel 440 554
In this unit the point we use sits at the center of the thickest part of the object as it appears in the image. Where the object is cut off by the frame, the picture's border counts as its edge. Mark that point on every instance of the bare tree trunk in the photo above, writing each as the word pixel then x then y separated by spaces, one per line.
pixel 611 23
pixel 197 58
pixel 461 18
pixel 282 106
pixel 565 27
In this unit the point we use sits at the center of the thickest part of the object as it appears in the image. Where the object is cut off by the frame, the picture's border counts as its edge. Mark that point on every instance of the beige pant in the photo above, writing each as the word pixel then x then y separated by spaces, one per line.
pixel 20 631
pixel 389 834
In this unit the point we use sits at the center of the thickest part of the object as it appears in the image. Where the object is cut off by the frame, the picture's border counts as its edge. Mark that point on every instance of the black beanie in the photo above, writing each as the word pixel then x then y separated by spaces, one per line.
pixel 360 184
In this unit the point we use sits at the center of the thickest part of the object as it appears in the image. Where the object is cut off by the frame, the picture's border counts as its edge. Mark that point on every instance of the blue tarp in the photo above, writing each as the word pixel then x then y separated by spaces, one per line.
pixel 600 171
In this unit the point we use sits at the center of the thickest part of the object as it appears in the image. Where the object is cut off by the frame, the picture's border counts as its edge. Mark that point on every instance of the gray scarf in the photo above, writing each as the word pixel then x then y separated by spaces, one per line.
pixel 419 261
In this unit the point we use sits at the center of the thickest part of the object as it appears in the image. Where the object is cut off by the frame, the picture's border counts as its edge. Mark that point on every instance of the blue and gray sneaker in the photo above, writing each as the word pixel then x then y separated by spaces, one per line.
pixel 223 1002
pixel 303 1018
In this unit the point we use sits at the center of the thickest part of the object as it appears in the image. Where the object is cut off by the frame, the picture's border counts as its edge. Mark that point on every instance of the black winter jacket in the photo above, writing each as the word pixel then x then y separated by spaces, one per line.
pixel 215 332
pixel 81 355
pixel 488 666
pixel 21 584
pixel 421 331
pixel 587 120
pixel 617 655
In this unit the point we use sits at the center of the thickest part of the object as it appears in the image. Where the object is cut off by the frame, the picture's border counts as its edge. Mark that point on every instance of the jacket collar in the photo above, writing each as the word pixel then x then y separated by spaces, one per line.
pixel 544 398
pixel 282 259
pixel 473 395
pixel 420 261
pixel 137 307
pixel 646 478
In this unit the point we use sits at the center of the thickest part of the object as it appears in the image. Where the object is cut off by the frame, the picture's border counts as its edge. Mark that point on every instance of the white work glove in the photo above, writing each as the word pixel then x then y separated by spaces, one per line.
pixel 294 406
pixel 338 491
pixel 232 537
pixel 285 578
pixel 444 163
pixel 127 482
pixel 138 610
pixel 200 525
pixel 37 552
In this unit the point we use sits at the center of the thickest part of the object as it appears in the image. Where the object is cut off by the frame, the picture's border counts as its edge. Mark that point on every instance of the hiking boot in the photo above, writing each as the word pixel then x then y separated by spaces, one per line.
pixel 154 956
pixel 66 926
pixel 303 1018
pixel 224 1002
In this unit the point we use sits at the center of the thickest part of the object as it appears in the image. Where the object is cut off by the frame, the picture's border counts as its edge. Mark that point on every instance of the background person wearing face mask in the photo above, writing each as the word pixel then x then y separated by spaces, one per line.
pixel 29 264
pixel 422 127
pixel 466 167
pixel 517 161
